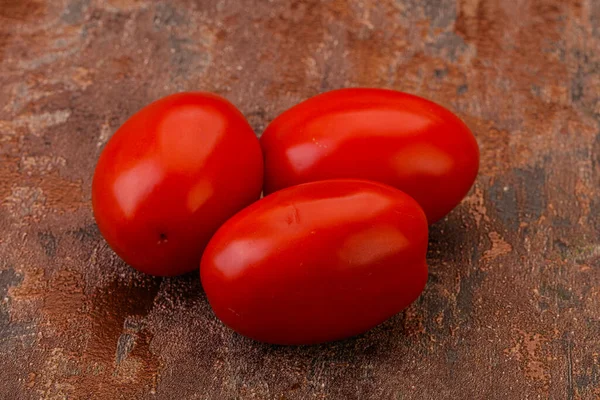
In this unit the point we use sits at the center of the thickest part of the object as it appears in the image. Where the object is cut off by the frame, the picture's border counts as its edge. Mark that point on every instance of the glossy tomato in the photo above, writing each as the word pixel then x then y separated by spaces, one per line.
pixel 317 262
pixel 376 134
pixel 170 176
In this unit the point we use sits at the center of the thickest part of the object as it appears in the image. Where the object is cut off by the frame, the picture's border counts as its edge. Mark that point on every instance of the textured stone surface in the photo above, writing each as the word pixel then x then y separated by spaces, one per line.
pixel 512 308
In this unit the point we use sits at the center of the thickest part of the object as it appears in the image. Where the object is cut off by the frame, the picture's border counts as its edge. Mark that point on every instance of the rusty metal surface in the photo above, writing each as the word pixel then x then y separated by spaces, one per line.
pixel 512 308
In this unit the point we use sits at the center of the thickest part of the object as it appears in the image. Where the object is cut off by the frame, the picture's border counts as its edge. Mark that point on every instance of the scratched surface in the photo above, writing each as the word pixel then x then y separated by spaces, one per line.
pixel 512 308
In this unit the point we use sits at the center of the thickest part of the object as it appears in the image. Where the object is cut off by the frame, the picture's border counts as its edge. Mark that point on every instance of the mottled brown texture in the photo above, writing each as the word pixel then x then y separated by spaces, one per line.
pixel 512 308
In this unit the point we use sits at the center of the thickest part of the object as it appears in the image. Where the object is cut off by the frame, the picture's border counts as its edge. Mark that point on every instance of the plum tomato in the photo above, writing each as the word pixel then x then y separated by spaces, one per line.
pixel 170 176
pixel 317 262
pixel 392 137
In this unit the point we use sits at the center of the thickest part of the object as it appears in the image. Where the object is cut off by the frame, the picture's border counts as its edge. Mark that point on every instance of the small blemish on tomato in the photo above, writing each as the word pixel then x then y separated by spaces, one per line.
pixel 162 238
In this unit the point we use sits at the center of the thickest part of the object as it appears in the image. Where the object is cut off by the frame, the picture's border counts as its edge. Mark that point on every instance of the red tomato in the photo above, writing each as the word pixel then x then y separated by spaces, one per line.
pixel 170 176
pixel 405 141
pixel 317 262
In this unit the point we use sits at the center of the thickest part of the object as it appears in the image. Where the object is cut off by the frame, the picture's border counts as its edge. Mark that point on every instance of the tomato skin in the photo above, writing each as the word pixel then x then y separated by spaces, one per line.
pixel 392 137
pixel 317 262
pixel 170 176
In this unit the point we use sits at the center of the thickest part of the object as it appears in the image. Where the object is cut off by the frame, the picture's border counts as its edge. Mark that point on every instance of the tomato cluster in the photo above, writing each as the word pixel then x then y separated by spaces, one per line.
pixel 352 179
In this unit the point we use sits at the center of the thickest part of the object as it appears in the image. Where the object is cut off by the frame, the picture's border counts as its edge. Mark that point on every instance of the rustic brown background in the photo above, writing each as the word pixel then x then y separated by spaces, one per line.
pixel 512 309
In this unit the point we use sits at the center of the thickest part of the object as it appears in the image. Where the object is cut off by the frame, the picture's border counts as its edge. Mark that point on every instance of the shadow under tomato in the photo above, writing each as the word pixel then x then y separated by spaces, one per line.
pixel 398 331
pixel 184 290
pixel 306 369
pixel 451 241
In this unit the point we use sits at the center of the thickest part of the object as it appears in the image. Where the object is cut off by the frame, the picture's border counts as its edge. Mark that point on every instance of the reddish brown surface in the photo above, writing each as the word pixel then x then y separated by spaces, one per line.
pixel 512 309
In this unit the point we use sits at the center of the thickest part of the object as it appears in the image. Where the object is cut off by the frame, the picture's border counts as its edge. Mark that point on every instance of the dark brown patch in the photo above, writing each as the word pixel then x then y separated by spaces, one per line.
pixel 120 341
pixel 4 40
pixel 21 10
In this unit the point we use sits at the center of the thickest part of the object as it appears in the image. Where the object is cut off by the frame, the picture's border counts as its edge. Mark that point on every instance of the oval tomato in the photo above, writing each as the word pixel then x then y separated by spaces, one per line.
pixel 402 140
pixel 317 262
pixel 170 176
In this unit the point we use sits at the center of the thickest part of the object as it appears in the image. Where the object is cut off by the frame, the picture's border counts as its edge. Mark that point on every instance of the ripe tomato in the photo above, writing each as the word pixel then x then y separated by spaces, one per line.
pixel 170 176
pixel 383 135
pixel 317 262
